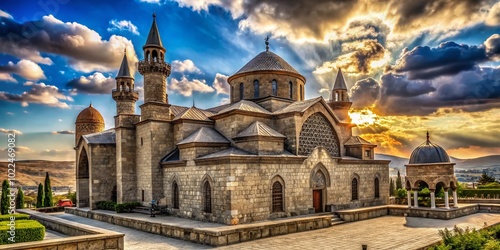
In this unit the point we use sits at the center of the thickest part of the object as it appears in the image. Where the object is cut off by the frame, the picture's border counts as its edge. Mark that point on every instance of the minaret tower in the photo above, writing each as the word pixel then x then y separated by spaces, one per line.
pixel 125 94
pixel 155 71
pixel 339 101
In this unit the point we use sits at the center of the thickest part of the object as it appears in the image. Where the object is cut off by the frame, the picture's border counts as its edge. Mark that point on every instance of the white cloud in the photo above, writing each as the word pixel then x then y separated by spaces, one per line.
pixel 63 132
pixel 5 14
pixel 4 77
pixel 234 6
pixel 10 113
pixel 494 15
pixel 220 84
pixel 186 87
pixel 123 25
pixel 224 100
pixel 186 66
pixel 24 68
pixel 10 131
pixel 96 83
pixel 39 94
pixel 159 2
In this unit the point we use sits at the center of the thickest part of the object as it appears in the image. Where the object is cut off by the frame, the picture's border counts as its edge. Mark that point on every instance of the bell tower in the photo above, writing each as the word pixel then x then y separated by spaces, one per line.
pixel 339 101
pixel 125 94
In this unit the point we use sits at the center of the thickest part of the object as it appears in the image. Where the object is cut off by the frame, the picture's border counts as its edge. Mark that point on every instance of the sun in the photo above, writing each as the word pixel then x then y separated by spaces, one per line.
pixel 362 117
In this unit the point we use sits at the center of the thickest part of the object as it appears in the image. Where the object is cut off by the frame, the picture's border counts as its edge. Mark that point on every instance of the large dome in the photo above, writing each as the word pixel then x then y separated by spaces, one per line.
pixel 429 152
pixel 267 61
pixel 89 115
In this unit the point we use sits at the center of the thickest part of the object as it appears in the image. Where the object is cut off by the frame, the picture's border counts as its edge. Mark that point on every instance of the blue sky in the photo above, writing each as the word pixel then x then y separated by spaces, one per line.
pixel 411 67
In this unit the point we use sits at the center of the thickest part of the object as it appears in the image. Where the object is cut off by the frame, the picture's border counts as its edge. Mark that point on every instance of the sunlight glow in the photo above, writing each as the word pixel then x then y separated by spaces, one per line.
pixel 362 117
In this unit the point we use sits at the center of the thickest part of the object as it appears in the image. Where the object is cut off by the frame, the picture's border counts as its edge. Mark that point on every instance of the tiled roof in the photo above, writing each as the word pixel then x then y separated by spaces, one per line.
pixel 154 35
pixel 299 106
pixel 194 113
pixel 356 140
pixel 246 106
pixel 267 60
pixel 124 68
pixel 177 109
pixel 340 81
pixel 219 108
pixel 104 137
pixel 259 129
pixel 172 156
pixel 204 135
pixel 232 151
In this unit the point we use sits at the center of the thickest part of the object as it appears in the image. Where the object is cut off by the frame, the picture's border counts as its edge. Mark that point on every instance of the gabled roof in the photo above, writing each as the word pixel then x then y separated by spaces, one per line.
pixel 267 60
pixel 204 135
pixel 340 81
pixel 104 137
pixel 172 156
pixel 216 109
pixel 176 110
pixel 154 35
pixel 259 129
pixel 245 105
pixel 232 151
pixel 124 68
pixel 299 106
pixel 356 140
pixel 194 113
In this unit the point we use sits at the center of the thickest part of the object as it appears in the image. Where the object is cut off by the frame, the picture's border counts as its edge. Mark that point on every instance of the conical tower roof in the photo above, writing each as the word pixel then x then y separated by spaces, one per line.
pixel 124 68
pixel 154 35
pixel 340 81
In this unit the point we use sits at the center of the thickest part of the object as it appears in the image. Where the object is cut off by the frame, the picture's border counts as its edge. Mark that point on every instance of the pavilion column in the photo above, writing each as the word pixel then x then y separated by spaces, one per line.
pixel 433 199
pixel 415 198
pixel 455 198
pixel 446 202
pixel 408 194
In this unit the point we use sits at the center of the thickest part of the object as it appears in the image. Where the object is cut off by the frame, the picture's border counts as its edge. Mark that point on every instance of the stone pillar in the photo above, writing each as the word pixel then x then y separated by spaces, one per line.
pixel 408 193
pixel 433 200
pixel 455 198
pixel 446 202
pixel 415 198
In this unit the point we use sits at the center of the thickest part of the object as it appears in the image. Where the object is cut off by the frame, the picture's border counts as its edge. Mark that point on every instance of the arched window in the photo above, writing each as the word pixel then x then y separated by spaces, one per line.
pixel 256 88
pixel 175 195
pixel 354 189
pixel 275 88
pixel 147 55
pixel 290 93
pixel 207 197
pixel 241 91
pixel 155 55
pixel 377 192
pixel 277 197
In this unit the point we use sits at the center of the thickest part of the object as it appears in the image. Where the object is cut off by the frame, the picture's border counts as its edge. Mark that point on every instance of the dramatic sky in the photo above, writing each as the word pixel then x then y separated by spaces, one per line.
pixel 411 66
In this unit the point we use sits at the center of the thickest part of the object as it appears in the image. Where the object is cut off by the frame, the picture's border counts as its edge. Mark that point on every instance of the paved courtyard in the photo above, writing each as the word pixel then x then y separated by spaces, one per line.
pixel 388 232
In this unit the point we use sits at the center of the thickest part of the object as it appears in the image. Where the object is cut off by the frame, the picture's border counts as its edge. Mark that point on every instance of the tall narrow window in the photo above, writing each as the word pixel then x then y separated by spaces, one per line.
pixel 275 88
pixel 290 93
pixel 241 91
pixel 175 195
pixel 377 193
pixel 207 197
pixel 301 93
pixel 231 93
pixel 354 189
pixel 142 195
pixel 277 197
pixel 256 88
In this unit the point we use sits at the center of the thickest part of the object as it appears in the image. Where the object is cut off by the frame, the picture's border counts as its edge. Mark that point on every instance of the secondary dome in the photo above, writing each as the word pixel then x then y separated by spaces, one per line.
pixel 89 115
pixel 429 152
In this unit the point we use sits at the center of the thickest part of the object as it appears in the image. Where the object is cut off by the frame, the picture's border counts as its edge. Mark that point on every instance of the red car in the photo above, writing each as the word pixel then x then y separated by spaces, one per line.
pixel 65 203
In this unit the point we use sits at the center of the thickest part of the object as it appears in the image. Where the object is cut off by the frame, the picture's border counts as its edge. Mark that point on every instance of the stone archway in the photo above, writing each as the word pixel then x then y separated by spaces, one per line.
pixel 82 180
pixel 320 179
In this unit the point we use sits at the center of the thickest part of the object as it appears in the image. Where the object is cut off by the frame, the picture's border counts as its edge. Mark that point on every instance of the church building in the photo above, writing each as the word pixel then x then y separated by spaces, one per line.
pixel 269 153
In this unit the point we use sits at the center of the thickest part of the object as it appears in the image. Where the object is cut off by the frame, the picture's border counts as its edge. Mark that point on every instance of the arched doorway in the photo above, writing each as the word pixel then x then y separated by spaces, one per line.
pixel 82 180
pixel 320 179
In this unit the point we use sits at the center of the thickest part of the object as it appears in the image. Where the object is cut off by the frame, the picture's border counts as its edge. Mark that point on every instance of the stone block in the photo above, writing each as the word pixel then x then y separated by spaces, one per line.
pixel 233 238
pixel 110 244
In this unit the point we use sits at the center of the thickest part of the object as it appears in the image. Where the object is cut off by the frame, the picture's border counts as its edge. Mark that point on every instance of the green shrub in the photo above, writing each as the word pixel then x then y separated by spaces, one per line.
pixel 106 205
pixel 6 217
pixel 459 238
pixel 492 185
pixel 126 207
pixel 479 192
pixel 26 230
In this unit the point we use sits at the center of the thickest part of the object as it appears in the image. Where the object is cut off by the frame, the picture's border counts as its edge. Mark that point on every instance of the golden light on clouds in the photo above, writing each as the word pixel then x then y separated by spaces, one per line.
pixel 362 117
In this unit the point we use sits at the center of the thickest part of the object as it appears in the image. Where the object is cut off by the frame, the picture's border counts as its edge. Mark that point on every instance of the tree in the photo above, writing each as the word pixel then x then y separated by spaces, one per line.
pixel 485 179
pixel 391 188
pixel 20 198
pixel 4 206
pixel 47 200
pixel 399 183
pixel 40 195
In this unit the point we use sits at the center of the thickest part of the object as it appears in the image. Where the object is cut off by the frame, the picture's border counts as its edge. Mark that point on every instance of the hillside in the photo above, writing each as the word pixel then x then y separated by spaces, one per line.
pixel 30 173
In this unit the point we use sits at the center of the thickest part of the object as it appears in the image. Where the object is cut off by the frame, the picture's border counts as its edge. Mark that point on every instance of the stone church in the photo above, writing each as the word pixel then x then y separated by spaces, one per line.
pixel 268 153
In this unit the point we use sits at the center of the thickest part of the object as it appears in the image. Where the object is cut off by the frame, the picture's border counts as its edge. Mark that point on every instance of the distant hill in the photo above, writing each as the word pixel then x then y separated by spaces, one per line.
pixel 32 172
pixel 491 161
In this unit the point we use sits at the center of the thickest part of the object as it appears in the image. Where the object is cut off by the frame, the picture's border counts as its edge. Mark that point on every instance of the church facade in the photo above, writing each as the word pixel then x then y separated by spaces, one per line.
pixel 268 153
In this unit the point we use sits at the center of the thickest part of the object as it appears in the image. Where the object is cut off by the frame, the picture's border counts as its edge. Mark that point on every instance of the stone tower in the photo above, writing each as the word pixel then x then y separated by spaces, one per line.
pixel 125 96
pixel 87 122
pixel 339 101
pixel 154 134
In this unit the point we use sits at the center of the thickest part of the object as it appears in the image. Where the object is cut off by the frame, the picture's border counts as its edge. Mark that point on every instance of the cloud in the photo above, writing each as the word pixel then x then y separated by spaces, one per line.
pixel 186 66
pixel 364 93
pixel 493 18
pixel 224 101
pixel 493 46
pixel 5 14
pixel 220 84
pixel 159 2
pixel 10 113
pixel 234 6
pixel 84 48
pixel 186 87
pixel 63 132
pixel 123 25
pixel 397 85
pixel 10 131
pixel 39 94
pixel 24 68
pixel 96 83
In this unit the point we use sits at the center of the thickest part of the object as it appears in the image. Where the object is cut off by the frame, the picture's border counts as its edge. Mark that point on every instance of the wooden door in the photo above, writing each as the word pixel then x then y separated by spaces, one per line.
pixel 318 201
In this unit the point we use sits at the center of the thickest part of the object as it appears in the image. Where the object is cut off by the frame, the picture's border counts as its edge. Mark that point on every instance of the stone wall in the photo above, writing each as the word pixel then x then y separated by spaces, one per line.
pixel 431 174
pixel 155 86
pixel 233 124
pixel 185 128
pixel 126 172
pixel 102 172
pixel 265 82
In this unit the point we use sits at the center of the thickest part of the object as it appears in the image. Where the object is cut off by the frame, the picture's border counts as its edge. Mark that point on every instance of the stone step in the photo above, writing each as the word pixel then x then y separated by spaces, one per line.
pixel 337 223
pixel 336 220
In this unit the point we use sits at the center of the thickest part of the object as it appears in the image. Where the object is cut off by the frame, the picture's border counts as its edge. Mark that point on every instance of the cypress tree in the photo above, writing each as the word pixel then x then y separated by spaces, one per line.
pixel 47 200
pixel 39 197
pixel 20 198
pixel 391 188
pixel 399 183
pixel 4 208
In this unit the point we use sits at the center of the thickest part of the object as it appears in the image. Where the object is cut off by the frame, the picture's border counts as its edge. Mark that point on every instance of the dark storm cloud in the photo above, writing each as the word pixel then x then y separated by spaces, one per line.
pixel 365 92
pixel 493 46
pixel 96 83
pixel 397 85
pixel 366 29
